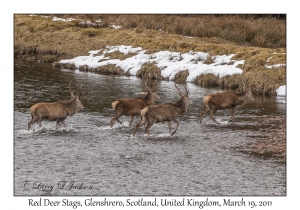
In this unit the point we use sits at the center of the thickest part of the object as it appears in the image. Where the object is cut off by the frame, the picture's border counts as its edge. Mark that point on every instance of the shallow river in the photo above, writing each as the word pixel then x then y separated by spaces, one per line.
pixel 90 158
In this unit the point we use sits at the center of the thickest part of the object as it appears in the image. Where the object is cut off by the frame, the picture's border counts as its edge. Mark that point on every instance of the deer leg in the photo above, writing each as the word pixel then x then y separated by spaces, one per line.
pixel 141 119
pixel 233 113
pixel 131 119
pixel 112 121
pixel 58 120
pixel 116 117
pixel 39 121
pixel 169 126
pixel 32 121
pixel 175 121
pixel 207 109
pixel 141 123
pixel 63 123
pixel 148 127
pixel 212 114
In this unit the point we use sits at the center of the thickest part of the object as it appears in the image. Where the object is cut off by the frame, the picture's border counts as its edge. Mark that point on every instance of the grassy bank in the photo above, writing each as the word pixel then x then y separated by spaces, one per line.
pixel 254 40
pixel 274 144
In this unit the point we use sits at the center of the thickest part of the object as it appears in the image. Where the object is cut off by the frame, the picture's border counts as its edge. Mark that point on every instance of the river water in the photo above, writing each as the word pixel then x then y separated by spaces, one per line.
pixel 90 158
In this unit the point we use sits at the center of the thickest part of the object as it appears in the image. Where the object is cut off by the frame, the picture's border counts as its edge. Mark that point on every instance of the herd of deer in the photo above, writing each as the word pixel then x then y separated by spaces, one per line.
pixel 149 113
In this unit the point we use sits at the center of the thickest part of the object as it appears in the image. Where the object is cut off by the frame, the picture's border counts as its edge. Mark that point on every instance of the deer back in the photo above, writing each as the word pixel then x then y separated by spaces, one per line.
pixel 50 111
pixel 228 99
pixel 222 100
pixel 130 106
pixel 160 112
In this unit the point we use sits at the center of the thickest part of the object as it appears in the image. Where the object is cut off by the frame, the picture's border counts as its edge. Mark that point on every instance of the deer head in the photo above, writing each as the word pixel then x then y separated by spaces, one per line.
pixel 151 91
pixel 248 91
pixel 184 97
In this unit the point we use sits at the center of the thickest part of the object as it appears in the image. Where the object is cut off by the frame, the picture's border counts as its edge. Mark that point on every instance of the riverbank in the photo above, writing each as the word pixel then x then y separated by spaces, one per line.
pixel 48 39
pixel 274 143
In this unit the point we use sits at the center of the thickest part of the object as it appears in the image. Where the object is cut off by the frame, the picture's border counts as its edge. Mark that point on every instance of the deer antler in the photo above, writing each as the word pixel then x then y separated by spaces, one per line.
pixel 244 84
pixel 243 81
pixel 180 93
pixel 153 85
pixel 186 90
pixel 80 92
pixel 149 89
pixel 72 92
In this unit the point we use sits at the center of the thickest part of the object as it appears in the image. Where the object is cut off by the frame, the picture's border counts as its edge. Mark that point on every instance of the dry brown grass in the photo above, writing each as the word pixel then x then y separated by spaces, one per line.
pixel 241 29
pixel 119 55
pixel 181 76
pixel 150 71
pixel 274 144
pixel 40 39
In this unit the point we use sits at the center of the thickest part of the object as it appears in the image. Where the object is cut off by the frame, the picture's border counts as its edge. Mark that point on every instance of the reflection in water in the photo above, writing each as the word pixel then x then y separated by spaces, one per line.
pixel 197 160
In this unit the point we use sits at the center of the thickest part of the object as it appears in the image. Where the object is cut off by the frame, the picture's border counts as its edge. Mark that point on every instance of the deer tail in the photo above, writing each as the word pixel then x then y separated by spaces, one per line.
pixel 114 104
pixel 32 111
pixel 143 112
pixel 206 100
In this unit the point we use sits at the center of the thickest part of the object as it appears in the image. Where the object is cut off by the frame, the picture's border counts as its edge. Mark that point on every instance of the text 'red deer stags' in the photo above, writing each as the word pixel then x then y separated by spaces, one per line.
pixel 133 106
pixel 225 100
pixel 55 111
pixel 164 112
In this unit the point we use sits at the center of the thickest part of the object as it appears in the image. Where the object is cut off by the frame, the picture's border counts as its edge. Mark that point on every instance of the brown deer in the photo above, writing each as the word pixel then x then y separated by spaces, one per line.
pixel 133 106
pixel 225 100
pixel 164 112
pixel 55 111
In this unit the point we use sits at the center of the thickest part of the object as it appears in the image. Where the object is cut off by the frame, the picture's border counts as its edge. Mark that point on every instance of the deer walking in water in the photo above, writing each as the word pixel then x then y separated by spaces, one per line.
pixel 164 112
pixel 55 111
pixel 225 100
pixel 133 106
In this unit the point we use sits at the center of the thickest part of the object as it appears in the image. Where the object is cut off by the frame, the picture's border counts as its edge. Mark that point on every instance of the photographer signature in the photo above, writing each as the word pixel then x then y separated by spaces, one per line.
pixel 63 185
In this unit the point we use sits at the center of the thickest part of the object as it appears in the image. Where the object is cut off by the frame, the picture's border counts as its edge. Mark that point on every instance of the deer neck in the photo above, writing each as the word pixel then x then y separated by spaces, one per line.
pixel 71 107
pixel 149 99
pixel 181 106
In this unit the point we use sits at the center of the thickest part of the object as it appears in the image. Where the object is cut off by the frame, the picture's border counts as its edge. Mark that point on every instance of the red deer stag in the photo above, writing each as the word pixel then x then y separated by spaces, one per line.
pixel 164 112
pixel 133 106
pixel 225 100
pixel 55 111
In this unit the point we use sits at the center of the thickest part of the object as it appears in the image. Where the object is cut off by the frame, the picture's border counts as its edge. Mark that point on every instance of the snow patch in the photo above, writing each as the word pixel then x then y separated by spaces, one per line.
pixel 281 91
pixel 169 62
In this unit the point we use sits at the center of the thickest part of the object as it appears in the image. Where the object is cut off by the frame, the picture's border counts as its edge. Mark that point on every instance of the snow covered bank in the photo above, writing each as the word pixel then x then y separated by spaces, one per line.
pixel 281 91
pixel 170 63
pixel 275 65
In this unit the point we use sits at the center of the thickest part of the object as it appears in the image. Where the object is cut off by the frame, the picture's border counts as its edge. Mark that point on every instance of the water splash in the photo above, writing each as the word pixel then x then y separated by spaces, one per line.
pixel 115 126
